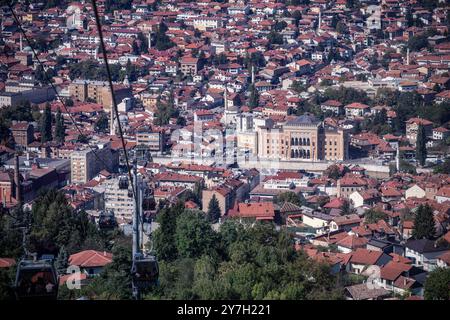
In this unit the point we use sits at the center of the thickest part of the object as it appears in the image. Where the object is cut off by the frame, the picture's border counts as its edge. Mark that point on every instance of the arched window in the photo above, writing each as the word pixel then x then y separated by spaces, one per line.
pixel 296 153
pixel 296 142
pixel 308 155
pixel 300 142
pixel 303 154
pixel 308 142
pixel 292 153
pixel 304 141
pixel 292 142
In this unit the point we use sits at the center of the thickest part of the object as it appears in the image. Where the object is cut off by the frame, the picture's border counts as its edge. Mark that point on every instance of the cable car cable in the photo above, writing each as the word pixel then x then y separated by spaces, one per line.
pixel 108 72
pixel 51 83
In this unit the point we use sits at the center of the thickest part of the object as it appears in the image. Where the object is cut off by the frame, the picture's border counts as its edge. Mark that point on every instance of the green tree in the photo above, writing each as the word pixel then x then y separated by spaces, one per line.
pixel 242 261
pixel 424 224
pixel 275 37
pixel 254 97
pixel 280 25
pixel 46 125
pixel 6 282
pixel 443 167
pixel 165 111
pixel 82 138
pixel 198 192
pixel 341 27
pixel 164 236
pixel 373 215
pixel 333 172
pixel 111 5
pixel 102 123
pixel 437 285
pixel 163 42
pixel 10 237
pixel 421 148
pixel 220 59
pixel 60 131
pixel 62 261
pixel 291 197
pixel 346 208
pixel 194 236
pixel 213 210
pixel 55 224
pixel 114 282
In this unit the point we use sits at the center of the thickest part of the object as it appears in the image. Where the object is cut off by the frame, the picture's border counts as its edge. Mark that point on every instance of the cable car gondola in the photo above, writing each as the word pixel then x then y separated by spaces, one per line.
pixel 145 271
pixel 106 221
pixel 36 280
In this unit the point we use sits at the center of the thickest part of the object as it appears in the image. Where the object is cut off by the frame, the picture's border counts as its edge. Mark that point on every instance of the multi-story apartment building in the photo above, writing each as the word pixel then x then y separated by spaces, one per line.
pixel 189 66
pixel 85 165
pixel 153 140
pixel 117 199
pixel 23 133
pixel 204 23
pixel 10 99
pixel 98 91
pixel 412 127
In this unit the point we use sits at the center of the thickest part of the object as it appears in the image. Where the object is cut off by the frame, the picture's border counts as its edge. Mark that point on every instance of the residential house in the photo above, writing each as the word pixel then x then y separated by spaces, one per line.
pixel 424 252
pixel 415 191
pixel 356 109
pixel 91 262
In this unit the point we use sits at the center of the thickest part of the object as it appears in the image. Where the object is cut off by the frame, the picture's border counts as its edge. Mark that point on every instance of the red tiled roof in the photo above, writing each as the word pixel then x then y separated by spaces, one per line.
pixel 336 203
pixel 90 258
pixel 398 258
pixel 419 121
pixel 175 177
pixel 393 270
pixel 7 262
pixel 352 242
pixel 357 105
pixel 365 256
pixel 260 210
pixel 64 278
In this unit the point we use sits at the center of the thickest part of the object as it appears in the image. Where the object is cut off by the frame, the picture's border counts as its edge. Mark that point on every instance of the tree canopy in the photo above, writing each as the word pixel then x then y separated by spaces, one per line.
pixel 436 285
pixel 424 225
pixel 238 262
pixel 213 209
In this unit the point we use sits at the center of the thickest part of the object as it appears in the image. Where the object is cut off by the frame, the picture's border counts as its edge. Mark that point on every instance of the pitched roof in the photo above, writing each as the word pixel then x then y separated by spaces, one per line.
pixel 445 257
pixel 347 219
pixel 365 256
pixel 7 262
pixel 260 210
pixel 363 292
pixel 90 258
pixel 392 270
pixel 352 242
pixel 424 246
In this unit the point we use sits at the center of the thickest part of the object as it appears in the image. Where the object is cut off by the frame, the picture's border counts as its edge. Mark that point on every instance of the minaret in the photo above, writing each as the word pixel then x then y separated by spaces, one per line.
pixel 112 127
pixel 150 40
pixel 320 19
pixel 225 98
pixel 407 56
pixel 17 179
pixel 253 74
pixel 126 81
pixel 397 158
